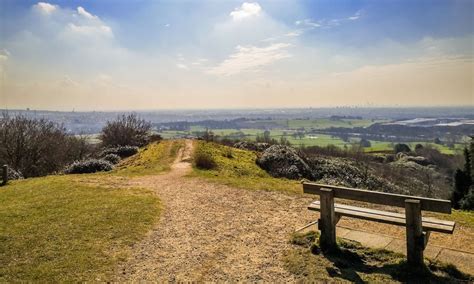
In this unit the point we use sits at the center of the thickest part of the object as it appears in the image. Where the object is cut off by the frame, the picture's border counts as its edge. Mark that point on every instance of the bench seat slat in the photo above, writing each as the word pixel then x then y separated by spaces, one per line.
pixel 390 214
pixel 429 224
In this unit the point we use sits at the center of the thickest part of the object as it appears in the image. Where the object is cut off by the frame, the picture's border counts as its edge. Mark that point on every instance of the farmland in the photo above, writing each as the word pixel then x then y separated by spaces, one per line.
pixel 308 132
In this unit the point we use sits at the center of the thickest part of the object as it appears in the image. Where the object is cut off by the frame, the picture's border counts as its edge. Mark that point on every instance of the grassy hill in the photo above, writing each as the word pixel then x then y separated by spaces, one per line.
pixel 78 227
pixel 237 168
pixel 81 227
pixel 59 228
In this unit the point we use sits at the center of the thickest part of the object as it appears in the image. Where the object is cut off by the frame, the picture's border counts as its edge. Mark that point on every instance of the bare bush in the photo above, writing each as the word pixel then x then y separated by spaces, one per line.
pixel 126 130
pixel 37 147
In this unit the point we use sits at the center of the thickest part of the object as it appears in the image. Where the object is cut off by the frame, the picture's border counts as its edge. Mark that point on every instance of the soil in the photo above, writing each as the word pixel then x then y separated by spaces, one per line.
pixel 212 232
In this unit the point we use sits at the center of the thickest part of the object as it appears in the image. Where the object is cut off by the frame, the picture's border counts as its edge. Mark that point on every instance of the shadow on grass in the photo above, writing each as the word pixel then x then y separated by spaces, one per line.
pixel 355 263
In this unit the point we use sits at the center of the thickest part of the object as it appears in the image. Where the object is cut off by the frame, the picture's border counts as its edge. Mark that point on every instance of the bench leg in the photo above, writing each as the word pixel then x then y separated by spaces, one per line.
pixel 415 237
pixel 327 240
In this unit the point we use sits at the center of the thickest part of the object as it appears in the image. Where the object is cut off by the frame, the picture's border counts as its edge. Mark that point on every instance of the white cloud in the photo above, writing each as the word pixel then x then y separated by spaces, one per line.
pixel 182 66
pixel 294 33
pixel 356 16
pixel 91 30
pixel 245 11
pixel 4 54
pixel 199 61
pixel 45 8
pixel 251 59
pixel 308 22
pixel 81 11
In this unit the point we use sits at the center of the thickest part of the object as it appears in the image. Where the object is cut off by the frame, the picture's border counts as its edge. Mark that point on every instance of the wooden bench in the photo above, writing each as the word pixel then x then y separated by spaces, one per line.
pixel 418 228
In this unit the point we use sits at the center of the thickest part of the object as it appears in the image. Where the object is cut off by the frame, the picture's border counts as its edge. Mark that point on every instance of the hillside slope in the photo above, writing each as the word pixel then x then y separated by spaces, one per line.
pixel 210 226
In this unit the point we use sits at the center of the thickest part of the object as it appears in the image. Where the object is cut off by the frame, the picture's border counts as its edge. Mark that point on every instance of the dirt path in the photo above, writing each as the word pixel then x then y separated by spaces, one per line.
pixel 212 232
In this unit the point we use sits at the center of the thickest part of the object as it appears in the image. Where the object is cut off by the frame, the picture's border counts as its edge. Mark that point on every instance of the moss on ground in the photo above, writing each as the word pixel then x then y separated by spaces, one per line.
pixel 154 158
pixel 355 263
pixel 57 228
pixel 237 168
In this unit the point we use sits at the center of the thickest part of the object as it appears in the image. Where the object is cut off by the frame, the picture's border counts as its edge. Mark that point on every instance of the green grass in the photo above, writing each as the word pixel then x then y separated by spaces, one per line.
pixel 240 170
pixel 152 159
pixel 58 228
pixel 355 263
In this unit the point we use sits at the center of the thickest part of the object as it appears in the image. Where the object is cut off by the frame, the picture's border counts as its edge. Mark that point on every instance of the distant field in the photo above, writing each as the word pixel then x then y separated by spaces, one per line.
pixel 383 146
pixel 326 123
pixel 310 139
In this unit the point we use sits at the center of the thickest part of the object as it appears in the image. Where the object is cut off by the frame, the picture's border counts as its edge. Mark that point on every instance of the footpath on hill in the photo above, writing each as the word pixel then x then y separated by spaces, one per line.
pixel 211 232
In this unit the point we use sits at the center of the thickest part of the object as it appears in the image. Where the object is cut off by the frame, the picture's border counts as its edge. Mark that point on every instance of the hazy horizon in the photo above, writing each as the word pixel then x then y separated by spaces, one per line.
pixel 197 55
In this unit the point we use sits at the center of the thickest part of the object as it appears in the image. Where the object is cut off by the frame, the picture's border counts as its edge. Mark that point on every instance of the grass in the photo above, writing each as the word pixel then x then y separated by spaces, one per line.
pixel 321 140
pixel 58 228
pixel 152 159
pixel 355 263
pixel 461 217
pixel 237 168
pixel 384 146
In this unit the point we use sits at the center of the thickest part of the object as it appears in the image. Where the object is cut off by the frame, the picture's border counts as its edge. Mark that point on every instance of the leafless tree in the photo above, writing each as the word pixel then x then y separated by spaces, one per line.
pixel 126 130
pixel 35 147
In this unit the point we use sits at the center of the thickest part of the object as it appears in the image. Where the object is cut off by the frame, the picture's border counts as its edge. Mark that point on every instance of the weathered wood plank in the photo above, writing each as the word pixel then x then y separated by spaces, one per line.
pixel 415 237
pixel 429 224
pixel 387 213
pixel 328 218
pixel 390 199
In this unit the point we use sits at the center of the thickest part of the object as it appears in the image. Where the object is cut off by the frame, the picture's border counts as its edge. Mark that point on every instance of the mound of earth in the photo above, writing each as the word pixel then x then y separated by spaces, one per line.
pixel 284 161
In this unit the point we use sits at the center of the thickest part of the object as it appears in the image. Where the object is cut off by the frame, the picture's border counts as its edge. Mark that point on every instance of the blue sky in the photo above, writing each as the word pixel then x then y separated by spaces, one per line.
pixel 228 54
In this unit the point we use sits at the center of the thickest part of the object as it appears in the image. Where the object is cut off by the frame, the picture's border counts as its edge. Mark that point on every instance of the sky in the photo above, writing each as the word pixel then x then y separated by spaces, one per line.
pixel 182 54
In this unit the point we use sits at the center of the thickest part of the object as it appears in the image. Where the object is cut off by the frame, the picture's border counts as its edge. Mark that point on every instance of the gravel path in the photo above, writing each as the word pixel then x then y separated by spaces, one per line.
pixel 210 232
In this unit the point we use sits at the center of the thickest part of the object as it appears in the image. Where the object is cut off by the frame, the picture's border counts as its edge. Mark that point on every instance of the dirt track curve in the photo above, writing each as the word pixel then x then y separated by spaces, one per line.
pixel 210 232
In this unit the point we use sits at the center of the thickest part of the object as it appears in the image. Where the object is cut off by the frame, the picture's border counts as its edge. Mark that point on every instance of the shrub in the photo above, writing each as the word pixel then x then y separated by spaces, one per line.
pixel 204 161
pixel 112 158
pixel 126 130
pixel 400 147
pixel 37 147
pixel 88 166
pixel 365 143
pixel 121 151
pixel 12 174
pixel 252 146
pixel 284 161
pixel 467 203
pixel 228 153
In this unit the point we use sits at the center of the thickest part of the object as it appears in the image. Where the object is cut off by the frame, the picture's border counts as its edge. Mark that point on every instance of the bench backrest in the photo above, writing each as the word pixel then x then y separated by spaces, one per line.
pixel 390 199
